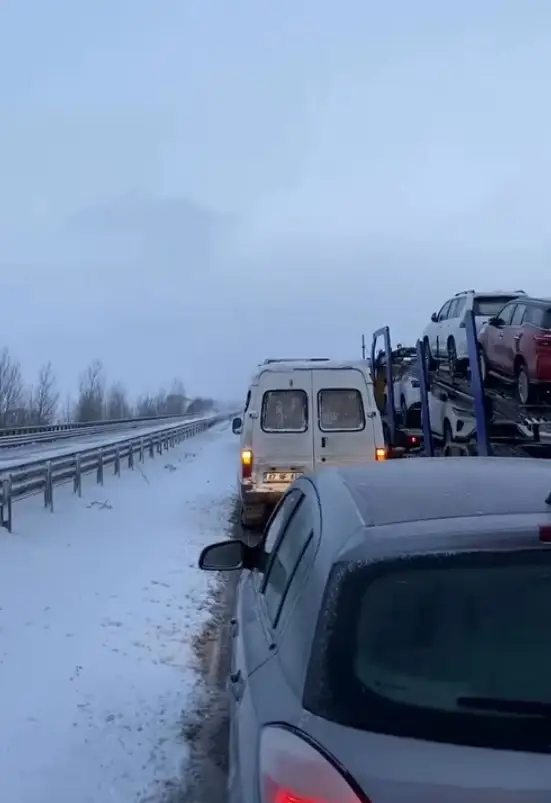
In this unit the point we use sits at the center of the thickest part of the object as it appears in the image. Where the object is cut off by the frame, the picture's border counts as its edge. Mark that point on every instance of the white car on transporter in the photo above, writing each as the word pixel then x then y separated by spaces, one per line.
pixel 446 336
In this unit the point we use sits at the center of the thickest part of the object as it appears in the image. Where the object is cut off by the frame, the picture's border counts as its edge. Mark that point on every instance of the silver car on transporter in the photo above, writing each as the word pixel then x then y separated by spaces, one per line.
pixel 392 637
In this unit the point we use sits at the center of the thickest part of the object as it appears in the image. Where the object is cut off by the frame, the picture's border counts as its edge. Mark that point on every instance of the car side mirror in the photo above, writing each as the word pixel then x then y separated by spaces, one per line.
pixel 237 425
pixel 434 317
pixel 225 556
pixel 230 556
pixel 497 322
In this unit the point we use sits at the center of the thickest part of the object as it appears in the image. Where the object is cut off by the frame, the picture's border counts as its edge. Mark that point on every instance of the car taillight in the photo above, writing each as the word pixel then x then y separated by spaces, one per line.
pixel 545 533
pixel 246 463
pixel 542 341
pixel 294 771
pixel 413 440
pixel 380 454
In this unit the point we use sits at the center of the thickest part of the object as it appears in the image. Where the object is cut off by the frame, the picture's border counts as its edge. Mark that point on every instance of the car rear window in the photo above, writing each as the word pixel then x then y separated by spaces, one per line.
pixel 284 411
pixel 454 649
pixel 340 410
pixel 488 306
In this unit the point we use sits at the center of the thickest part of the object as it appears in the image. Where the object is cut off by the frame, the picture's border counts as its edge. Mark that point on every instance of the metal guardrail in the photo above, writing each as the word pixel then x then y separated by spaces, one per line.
pixel 13 441
pixel 27 434
pixel 41 476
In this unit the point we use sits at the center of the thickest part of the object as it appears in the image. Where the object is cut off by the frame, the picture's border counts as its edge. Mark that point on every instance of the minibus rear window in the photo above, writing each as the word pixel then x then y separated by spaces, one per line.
pixel 284 411
pixel 340 410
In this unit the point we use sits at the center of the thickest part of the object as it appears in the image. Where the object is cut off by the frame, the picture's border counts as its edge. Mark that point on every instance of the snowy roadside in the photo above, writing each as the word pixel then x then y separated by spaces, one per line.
pixel 100 604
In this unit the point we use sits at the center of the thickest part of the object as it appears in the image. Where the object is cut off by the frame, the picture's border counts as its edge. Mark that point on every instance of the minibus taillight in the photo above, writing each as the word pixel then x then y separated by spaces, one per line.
pixel 246 464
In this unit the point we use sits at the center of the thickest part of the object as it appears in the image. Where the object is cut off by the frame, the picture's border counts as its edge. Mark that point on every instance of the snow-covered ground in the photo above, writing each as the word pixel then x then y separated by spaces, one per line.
pixel 10 457
pixel 99 602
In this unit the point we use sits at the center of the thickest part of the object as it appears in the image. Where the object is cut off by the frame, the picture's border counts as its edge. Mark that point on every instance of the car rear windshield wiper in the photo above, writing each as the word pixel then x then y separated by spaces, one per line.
pixel 531 708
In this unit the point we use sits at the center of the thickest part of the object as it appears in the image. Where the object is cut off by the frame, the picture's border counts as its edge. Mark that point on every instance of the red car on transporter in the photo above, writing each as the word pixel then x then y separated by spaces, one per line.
pixel 515 346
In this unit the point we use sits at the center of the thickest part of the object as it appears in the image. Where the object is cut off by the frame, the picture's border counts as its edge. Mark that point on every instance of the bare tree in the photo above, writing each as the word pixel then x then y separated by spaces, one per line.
pixel 176 401
pixel 146 405
pixel 68 414
pixel 116 405
pixel 12 411
pixel 90 404
pixel 40 404
pixel 160 402
pixel 44 399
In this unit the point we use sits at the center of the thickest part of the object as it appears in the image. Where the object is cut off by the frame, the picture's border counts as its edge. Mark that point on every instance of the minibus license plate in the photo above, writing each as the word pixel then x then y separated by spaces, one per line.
pixel 281 476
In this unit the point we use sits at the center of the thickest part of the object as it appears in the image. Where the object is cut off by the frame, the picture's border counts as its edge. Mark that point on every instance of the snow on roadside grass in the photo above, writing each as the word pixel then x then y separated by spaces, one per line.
pixel 99 603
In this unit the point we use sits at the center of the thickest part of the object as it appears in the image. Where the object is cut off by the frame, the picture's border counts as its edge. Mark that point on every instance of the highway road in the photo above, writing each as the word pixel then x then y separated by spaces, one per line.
pixel 11 457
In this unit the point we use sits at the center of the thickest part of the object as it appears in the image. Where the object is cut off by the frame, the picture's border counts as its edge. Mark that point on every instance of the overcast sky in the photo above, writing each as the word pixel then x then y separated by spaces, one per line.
pixel 188 187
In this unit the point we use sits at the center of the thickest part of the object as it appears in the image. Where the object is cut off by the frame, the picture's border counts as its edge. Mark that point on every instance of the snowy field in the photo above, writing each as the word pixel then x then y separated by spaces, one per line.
pixel 99 602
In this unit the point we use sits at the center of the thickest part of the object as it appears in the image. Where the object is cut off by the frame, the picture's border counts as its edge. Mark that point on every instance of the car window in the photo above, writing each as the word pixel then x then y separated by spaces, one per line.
pixel 460 306
pixel 340 410
pixel 488 306
pixel 284 411
pixel 506 313
pixel 452 312
pixel 518 315
pixel 538 316
pixel 279 518
pixel 443 314
pixel 450 648
pixel 286 556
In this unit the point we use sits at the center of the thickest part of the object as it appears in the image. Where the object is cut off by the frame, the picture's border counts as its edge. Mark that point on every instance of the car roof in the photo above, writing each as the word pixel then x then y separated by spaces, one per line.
pixel 427 488
pixel 544 302
pixel 515 293
pixel 304 365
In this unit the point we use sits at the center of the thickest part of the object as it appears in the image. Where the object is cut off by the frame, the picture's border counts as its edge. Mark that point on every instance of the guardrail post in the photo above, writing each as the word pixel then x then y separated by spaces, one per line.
pixel 77 481
pixel 117 462
pixel 141 450
pixel 151 448
pixel 131 456
pixel 48 487
pixel 99 478
pixel 5 508
pixel 159 446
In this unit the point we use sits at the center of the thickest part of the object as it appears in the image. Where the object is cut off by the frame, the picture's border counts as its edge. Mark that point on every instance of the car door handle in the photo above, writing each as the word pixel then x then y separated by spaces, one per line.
pixel 237 685
pixel 323 443
pixel 234 628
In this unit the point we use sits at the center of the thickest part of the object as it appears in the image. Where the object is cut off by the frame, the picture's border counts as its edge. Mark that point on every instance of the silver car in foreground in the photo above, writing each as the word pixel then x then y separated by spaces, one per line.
pixel 392 637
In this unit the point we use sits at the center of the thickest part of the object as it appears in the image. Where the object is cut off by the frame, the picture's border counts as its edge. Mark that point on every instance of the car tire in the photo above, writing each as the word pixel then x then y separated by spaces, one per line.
pixel 451 448
pixel 430 362
pixel 525 391
pixel 483 366
pixel 250 519
pixel 452 357
pixel 404 411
